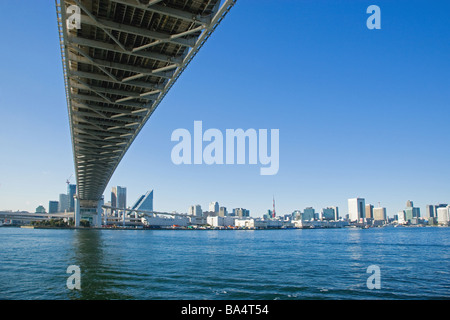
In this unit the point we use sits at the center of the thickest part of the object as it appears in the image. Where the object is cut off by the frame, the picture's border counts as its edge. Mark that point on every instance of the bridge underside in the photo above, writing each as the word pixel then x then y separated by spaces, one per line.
pixel 119 62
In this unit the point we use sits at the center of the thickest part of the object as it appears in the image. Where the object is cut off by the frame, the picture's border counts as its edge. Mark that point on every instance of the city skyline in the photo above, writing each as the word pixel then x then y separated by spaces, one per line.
pixel 355 123
pixel 357 208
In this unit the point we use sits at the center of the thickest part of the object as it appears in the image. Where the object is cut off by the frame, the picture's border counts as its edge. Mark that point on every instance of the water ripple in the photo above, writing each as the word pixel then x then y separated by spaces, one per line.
pixel 266 265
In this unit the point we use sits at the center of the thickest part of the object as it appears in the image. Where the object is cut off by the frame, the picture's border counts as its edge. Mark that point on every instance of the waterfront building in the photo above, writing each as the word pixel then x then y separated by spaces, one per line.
pixel 401 217
pixel 71 191
pixel 379 214
pixel 245 223
pixel 53 206
pixel 144 202
pixel 411 213
pixel 241 212
pixel 209 214
pixel 336 213
pixel 223 212
pixel 63 203
pixel 119 197
pixel 274 224
pixel 107 211
pixel 196 210
pixel 437 206
pixel 328 214
pixel 356 209
pixel 429 211
pixel 214 206
pixel 319 224
pixel 443 215
pixel 197 220
pixel 296 215
pixel 161 221
pixel 215 221
pixel 369 211
pixel 308 214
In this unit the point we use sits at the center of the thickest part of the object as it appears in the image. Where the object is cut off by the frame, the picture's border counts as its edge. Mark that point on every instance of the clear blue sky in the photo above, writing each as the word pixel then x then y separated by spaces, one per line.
pixel 360 112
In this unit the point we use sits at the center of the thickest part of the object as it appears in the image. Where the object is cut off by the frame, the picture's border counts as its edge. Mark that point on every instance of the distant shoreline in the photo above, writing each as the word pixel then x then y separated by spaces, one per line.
pixel 202 229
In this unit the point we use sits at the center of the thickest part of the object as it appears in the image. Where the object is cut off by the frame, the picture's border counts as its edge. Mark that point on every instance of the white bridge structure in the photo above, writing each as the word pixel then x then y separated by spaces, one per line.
pixel 137 216
pixel 119 59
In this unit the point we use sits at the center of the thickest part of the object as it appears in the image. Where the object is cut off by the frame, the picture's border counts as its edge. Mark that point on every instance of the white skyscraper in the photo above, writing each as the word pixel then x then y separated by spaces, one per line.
pixel 402 217
pixel 214 206
pixel 63 202
pixel 356 209
pixel 443 215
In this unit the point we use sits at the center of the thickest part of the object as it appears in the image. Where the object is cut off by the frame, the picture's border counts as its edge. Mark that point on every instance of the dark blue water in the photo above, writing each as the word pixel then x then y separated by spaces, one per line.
pixel 263 264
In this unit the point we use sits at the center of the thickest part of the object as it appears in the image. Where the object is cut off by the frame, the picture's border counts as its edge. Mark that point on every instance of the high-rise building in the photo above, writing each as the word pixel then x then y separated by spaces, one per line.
pixel 71 191
pixel 308 214
pixel 401 217
pixel 437 206
pixel 408 214
pixel 113 198
pixel 328 214
pixel 273 212
pixel 429 211
pixel 241 212
pixel 53 206
pixel 223 212
pixel 336 213
pixel 443 215
pixel 214 206
pixel 356 209
pixel 63 203
pixel 379 214
pixel 369 211
pixel 411 212
pixel 40 209
pixel 144 202
pixel 196 210
pixel 119 197
pixel 207 214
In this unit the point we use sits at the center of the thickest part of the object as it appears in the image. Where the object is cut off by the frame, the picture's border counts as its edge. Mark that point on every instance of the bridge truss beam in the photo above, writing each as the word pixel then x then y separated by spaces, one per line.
pixel 118 66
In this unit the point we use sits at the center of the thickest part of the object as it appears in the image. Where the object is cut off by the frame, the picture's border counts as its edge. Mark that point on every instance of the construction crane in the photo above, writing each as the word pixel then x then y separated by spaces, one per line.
pixel 68 179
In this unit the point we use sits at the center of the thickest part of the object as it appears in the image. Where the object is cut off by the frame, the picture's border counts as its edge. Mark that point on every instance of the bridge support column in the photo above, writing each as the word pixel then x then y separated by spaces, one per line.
pixel 77 214
pixel 98 221
pixel 89 210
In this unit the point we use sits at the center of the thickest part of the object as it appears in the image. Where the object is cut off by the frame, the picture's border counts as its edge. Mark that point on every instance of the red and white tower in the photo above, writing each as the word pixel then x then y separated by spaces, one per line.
pixel 273 212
